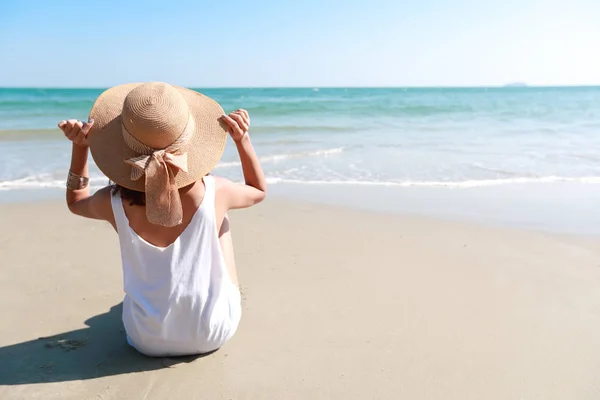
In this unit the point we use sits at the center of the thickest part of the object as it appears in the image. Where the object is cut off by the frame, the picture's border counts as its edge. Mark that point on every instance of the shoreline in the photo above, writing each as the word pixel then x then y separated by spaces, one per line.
pixel 565 208
pixel 337 303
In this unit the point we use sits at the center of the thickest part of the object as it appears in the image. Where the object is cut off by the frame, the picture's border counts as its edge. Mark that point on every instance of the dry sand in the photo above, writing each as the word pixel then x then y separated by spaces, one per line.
pixel 338 304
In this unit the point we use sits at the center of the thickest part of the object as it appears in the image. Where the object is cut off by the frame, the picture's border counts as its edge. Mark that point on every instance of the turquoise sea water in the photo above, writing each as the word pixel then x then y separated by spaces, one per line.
pixel 445 138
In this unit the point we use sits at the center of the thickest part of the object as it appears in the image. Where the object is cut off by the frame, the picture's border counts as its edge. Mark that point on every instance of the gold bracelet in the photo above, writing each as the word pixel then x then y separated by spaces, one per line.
pixel 77 182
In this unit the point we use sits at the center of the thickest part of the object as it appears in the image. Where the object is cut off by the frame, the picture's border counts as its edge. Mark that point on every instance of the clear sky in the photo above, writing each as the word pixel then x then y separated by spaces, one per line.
pixel 67 43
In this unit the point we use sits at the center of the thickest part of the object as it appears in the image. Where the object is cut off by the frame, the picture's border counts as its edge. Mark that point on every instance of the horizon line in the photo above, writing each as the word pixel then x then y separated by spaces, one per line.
pixel 504 86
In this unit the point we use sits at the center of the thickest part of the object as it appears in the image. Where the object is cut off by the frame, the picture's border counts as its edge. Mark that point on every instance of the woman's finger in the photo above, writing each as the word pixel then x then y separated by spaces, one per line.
pixel 233 124
pixel 76 129
pixel 73 127
pixel 85 129
pixel 67 126
pixel 229 121
pixel 238 118
pixel 87 126
pixel 70 125
pixel 244 115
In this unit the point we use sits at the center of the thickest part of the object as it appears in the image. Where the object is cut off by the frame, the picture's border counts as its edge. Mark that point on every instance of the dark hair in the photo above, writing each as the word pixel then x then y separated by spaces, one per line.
pixel 134 197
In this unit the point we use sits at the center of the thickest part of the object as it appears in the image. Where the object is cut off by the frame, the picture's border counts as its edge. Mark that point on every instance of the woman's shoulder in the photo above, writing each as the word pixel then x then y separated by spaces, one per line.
pixel 220 182
pixel 221 186
pixel 99 205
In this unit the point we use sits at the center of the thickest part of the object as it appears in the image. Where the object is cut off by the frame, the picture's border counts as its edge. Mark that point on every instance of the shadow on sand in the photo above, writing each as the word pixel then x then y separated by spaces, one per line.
pixel 97 351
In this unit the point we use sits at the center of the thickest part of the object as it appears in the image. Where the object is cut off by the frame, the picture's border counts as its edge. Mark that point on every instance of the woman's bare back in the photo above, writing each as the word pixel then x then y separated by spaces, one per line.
pixel 160 236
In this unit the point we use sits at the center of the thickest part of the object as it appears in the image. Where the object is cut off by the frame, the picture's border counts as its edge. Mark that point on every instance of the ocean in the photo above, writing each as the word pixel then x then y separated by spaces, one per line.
pixel 533 148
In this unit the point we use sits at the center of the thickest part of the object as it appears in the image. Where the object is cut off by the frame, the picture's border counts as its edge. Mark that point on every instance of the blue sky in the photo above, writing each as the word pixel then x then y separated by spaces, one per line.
pixel 310 43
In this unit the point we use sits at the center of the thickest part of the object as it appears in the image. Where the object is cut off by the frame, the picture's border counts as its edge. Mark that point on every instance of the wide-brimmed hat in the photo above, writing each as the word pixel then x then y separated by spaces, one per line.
pixel 156 138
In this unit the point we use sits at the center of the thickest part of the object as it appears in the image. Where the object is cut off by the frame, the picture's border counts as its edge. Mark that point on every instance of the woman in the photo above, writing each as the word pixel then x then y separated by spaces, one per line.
pixel 158 143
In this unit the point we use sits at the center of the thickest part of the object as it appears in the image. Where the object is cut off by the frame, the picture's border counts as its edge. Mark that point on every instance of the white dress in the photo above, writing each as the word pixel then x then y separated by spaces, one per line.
pixel 179 300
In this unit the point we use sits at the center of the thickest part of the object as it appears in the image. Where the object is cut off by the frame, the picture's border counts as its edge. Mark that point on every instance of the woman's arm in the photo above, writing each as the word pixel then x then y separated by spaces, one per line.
pixel 78 197
pixel 255 188
pixel 79 168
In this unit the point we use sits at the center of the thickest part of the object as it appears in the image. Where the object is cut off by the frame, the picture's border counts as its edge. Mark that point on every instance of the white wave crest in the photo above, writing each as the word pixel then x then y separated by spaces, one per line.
pixel 47 181
pixel 280 157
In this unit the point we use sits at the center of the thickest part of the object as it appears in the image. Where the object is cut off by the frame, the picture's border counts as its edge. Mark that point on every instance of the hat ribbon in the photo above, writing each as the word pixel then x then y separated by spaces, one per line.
pixel 160 166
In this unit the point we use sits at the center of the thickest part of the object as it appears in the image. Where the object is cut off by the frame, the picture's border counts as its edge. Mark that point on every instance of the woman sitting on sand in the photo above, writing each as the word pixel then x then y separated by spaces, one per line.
pixel 158 143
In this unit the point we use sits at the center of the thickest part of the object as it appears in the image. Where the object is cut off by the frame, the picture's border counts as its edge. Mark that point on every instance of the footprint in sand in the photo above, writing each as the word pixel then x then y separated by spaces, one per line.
pixel 65 344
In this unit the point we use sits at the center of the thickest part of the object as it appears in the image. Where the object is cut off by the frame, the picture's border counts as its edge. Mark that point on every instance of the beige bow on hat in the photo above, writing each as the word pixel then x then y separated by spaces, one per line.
pixel 160 168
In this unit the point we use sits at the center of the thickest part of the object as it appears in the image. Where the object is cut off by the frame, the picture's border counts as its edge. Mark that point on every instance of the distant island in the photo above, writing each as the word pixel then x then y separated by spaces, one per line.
pixel 516 84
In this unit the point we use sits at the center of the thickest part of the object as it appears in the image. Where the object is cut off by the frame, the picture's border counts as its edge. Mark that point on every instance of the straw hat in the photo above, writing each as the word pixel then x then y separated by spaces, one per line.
pixel 156 138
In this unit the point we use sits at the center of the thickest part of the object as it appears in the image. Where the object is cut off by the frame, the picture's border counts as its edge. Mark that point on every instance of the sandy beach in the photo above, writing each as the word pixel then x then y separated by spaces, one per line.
pixel 338 304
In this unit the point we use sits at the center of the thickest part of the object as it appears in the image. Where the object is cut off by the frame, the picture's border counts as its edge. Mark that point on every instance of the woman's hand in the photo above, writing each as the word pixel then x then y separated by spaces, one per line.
pixel 76 131
pixel 238 123
pixel 255 189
